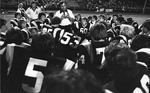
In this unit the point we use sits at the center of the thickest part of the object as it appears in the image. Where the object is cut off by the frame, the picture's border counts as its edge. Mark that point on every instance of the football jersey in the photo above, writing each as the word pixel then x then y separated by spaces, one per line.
pixel 56 32
pixel 144 56
pixel 111 34
pixel 81 30
pixel 138 84
pixel 2 45
pixel 26 34
pixel 67 44
pixel 85 55
pixel 98 49
pixel 91 58
pixel 76 25
pixel 93 52
pixel 26 69
pixel 2 36
pixel 123 39
pixel 37 23
pixel 47 21
pixel 14 22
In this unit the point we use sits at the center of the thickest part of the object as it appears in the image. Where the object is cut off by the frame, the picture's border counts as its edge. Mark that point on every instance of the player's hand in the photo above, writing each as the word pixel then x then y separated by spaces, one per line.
pixel 68 16
pixel 62 17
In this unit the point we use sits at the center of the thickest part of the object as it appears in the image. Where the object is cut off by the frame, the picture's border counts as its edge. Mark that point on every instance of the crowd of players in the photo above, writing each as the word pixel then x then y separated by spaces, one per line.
pixel 111 48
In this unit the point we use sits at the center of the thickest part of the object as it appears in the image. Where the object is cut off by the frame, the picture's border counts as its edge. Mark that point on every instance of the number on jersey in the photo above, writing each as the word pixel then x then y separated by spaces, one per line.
pixel 100 54
pixel 30 72
pixel 70 39
pixel 83 30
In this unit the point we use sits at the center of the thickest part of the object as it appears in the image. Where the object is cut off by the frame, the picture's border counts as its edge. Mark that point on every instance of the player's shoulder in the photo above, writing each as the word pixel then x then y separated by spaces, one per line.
pixel 14 21
pixel 100 44
pixel 144 56
pixel 110 88
pixel 141 66
pixel 141 80
pixel 144 50
pixel 69 10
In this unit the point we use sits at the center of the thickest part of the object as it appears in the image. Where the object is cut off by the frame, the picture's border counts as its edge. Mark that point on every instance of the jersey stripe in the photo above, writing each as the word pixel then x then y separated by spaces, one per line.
pixel 141 63
pixel 145 50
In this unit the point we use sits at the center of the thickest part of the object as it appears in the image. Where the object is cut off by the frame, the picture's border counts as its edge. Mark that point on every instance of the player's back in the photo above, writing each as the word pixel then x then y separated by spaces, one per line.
pixel 98 49
pixel 91 58
pixel 67 44
pixel 97 66
pixel 26 69
pixel 92 52
pixel 137 84
pixel 14 22
pixel 144 56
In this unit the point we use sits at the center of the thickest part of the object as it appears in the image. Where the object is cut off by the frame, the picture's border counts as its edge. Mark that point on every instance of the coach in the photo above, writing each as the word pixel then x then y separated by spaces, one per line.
pixel 66 15
pixel 33 11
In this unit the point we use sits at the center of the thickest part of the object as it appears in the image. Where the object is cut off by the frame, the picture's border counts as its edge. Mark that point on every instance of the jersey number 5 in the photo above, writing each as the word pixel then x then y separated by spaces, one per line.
pixel 30 72
pixel 67 37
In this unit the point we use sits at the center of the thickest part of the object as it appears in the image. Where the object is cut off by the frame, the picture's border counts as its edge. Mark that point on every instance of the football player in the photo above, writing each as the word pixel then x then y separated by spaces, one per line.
pixel 142 48
pixel 54 29
pixel 146 28
pixel 113 32
pixel 39 23
pixel 13 36
pixel 114 18
pixel 27 68
pixel 98 35
pixel 15 22
pixel 25 30
pixel 139 42
pixel 137 30
pixel 48 20
pixel 124 34
pixel 78 17
pixel 77 21
pixel 91 54
pixel 101 18
pixel 94 19
pixel 65 41
pixel 130 21
pixel 129 75
pixel 144 56
pixel 115 29
pixel 67 44
pixel 83 28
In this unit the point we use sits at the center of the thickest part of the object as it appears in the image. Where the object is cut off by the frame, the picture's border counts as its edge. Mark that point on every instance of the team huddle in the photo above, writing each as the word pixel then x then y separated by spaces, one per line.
pixel 43 56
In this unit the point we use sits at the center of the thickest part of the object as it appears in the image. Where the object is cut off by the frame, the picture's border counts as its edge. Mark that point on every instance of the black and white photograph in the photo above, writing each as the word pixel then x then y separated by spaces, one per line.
pixel 74 46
